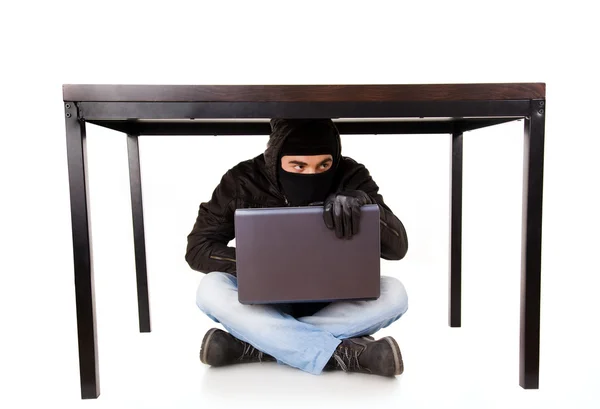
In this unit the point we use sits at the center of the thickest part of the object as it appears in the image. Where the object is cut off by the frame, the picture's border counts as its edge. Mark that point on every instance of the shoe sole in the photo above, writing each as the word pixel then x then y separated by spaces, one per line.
pixel 203 348
pixel 399 365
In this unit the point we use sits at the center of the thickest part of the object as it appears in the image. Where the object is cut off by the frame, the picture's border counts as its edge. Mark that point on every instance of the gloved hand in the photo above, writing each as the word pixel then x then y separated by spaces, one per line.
pixel 342 212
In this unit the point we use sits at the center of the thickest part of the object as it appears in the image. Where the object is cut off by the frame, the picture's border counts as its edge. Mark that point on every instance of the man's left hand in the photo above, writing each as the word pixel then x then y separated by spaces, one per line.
pixel 342 212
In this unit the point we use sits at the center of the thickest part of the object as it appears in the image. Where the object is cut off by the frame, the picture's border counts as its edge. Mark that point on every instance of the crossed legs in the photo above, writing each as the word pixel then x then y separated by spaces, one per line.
pixel 306 343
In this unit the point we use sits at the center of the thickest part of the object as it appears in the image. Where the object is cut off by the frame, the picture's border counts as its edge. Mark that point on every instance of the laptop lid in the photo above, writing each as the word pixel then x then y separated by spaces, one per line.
pixel 289 255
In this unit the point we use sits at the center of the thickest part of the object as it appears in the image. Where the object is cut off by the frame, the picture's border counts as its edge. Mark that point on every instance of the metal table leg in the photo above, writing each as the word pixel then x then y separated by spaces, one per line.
pixel 138 232
pixel 82 253
pixel 456 171
pixel 533 164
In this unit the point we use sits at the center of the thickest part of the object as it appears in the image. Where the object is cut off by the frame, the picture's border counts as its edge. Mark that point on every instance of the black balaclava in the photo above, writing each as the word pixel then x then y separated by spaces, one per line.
pixel 310 138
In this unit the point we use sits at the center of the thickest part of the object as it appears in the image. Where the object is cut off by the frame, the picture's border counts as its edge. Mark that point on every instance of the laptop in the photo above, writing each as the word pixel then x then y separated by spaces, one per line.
pixel 288 255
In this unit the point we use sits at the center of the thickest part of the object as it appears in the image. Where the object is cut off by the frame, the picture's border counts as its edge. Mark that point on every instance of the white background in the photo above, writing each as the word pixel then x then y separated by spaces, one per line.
pixel 46 44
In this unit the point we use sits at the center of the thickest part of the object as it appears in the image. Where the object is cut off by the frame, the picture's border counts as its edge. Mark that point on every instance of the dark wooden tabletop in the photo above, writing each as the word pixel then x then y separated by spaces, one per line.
pixel 303 93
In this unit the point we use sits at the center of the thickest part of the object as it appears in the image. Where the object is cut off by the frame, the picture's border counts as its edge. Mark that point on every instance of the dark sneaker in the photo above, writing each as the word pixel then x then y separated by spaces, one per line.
pixel 365 355
pixel 220 348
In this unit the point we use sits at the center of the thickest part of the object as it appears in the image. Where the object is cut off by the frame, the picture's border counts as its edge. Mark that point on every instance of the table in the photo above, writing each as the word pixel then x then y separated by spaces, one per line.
pixel 452 109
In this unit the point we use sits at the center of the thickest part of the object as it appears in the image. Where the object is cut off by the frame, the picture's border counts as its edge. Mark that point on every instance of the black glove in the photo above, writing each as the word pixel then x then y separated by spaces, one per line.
pixel 342 212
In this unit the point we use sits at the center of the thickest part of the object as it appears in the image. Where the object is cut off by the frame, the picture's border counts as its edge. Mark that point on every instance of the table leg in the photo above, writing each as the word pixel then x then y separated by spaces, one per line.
pixel 454 293
pixel 82 253
pixel 138 232
pixel 533 165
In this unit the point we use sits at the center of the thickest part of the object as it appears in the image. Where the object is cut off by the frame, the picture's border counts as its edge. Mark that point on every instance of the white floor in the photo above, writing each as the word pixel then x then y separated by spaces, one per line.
pixel 474 366
pixel 455 369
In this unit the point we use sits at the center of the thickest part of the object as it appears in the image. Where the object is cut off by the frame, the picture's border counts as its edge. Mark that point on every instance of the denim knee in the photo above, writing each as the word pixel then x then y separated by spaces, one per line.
pixel 394 294
pixel 211 288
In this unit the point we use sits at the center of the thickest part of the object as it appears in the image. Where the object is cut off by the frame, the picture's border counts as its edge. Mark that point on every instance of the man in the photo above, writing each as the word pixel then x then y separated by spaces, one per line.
pixel 301 166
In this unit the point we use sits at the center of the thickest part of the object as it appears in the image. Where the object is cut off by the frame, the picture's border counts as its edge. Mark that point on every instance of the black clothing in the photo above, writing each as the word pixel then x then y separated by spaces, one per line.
pixel 342 212
pixel 308 137
pixel 254 183
pixel 303 189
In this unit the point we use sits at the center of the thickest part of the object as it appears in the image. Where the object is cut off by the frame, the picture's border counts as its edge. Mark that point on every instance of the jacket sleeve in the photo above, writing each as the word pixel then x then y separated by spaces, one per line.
pixel 207 248
pixel 394 241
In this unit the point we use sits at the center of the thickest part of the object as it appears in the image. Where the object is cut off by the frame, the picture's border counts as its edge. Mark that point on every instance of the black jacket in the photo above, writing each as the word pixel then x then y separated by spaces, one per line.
pixel 253 183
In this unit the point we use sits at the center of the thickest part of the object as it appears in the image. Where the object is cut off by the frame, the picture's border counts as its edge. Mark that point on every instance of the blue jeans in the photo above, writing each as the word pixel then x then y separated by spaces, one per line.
pixel 307 342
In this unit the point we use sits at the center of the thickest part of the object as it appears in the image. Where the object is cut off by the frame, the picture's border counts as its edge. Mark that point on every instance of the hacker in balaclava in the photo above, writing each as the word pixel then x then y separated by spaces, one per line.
pixel 307 163
pixel 301 166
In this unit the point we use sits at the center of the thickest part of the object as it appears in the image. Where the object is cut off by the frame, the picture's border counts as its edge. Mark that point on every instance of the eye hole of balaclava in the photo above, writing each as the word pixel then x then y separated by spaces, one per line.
pixel 303 189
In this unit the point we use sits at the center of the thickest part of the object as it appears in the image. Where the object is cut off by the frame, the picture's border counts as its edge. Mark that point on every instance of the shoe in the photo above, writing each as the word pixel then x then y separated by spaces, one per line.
pixel 220 348
pixel 365 355
pixel 368 337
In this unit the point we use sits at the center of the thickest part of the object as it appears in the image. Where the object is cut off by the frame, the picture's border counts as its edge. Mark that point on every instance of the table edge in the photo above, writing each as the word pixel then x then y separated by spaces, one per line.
pixel 303 93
